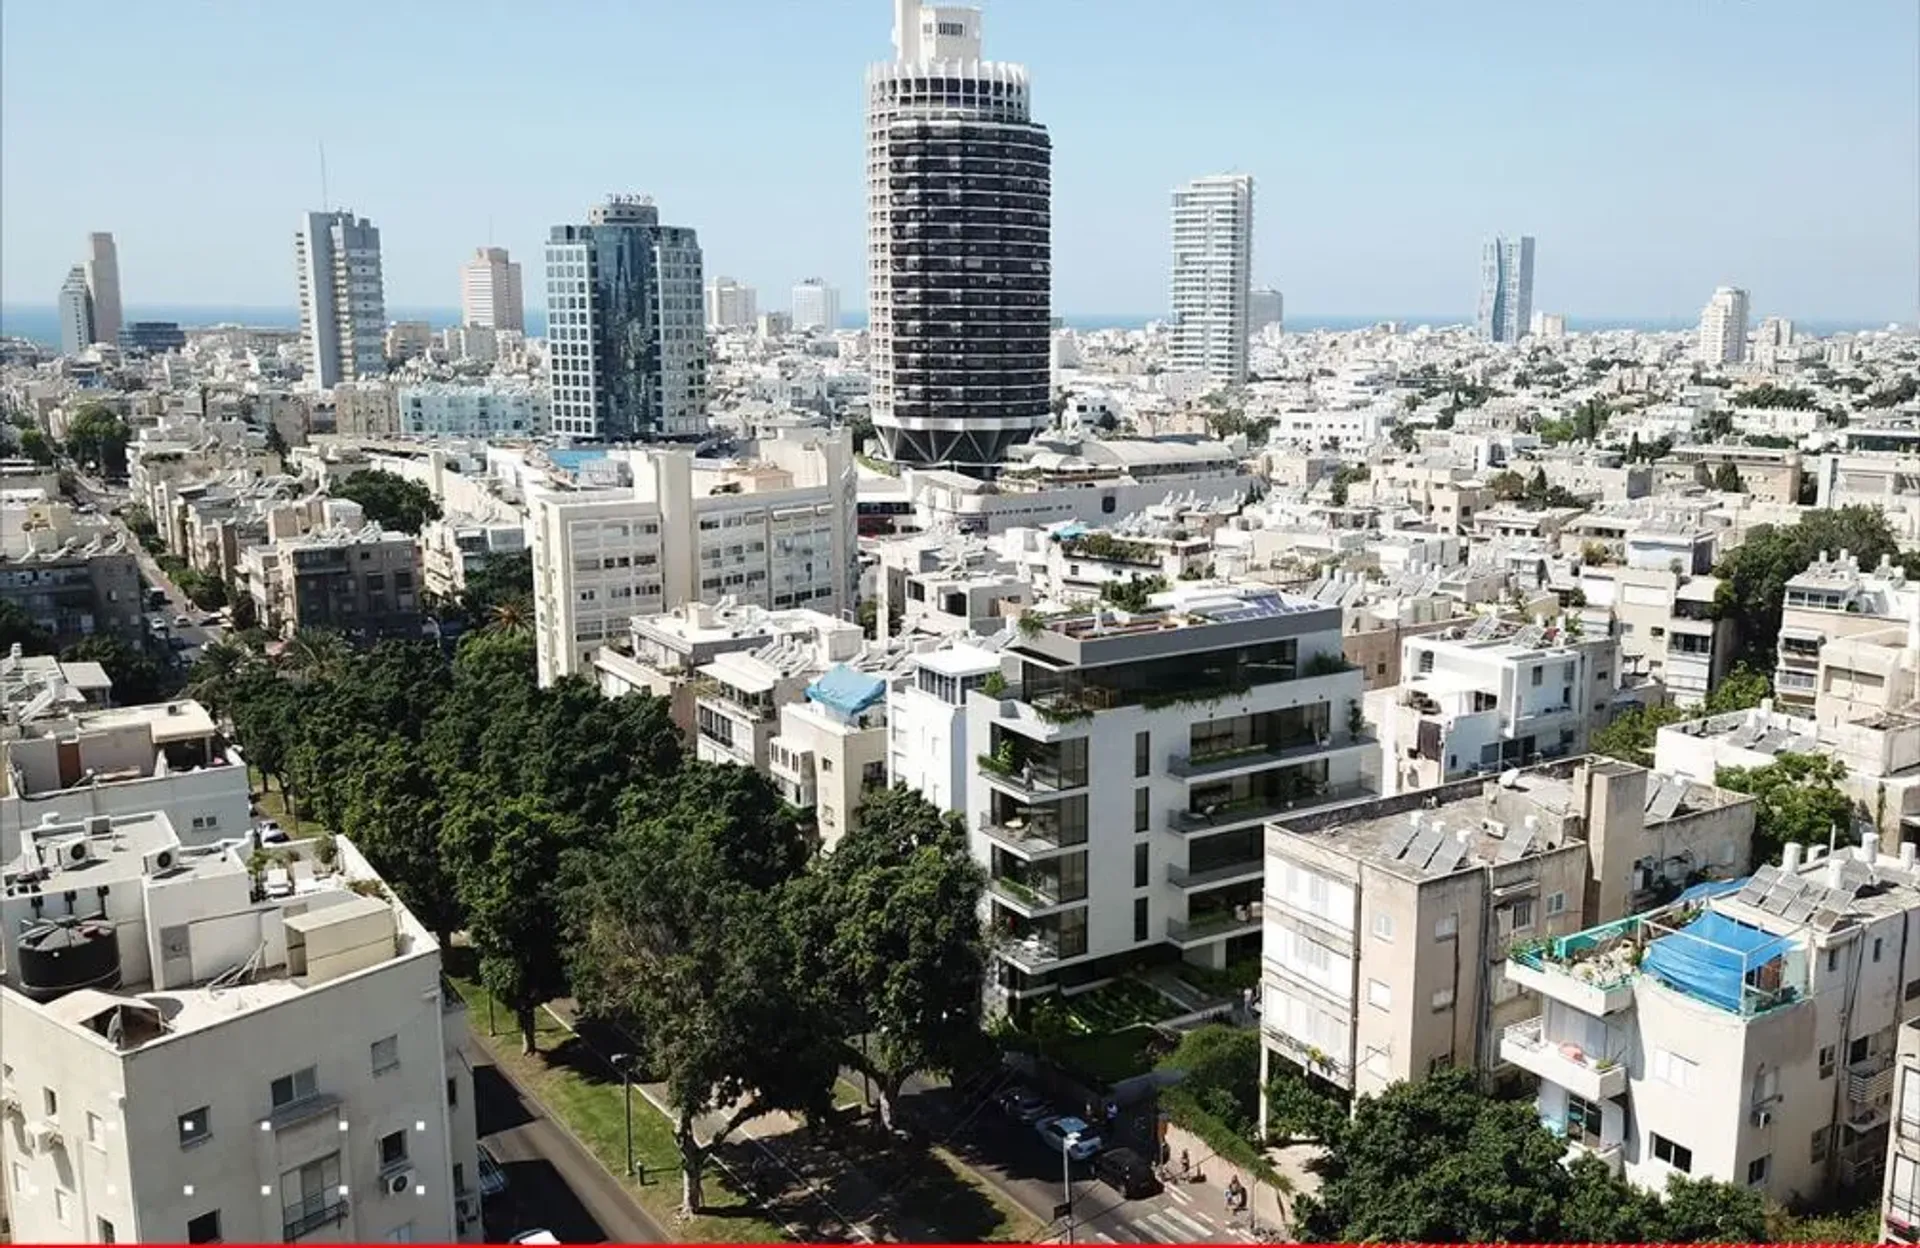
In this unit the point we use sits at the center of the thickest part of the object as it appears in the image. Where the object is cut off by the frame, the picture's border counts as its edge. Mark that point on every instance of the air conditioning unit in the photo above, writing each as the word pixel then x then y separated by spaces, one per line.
pixel 399 1183
pixel 157 861
pixel 77 851
pixel 10 1102
pixel 1762 1117
pixel 45 1134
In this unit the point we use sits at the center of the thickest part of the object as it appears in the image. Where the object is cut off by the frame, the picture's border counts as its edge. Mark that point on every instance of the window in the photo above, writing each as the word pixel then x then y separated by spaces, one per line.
pixel 1446 927
pixel 1140 918
pixel 310 1197
pixel 1912 990
pixel 62 1207
pixel 1383 927
pixel 1142 753
pixel 96 1130
pixel 204 1229
pixel 294 1088
pixel 1443 999
pixel 386 1054
pixel 194 1127
pixel 1522 912
pixel 1826 1061
pixel 19 1181
pixel 453 1093
pixel 1757 1170
pixel 103 1232
pixel 51 1100
pixel 1556 903
pixel 1679 1156
pixel 1538 672
pixel 1877 943
pixel 1142 809
pixel 1583 1119
pixel 1141 865
pixel 393 1150
pixel 1858 1050
pixel 1379 996
pixel 1671 1068
pixel 1833 961
pixel 1818 1151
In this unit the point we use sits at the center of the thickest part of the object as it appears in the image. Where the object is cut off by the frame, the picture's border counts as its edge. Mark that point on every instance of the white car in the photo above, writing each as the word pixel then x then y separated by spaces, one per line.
pixel 1056 1132
pixel 534 1237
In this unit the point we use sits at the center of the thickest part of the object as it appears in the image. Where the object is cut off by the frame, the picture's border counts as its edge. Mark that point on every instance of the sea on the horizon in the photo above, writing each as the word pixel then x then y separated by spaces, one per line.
pixel 41 323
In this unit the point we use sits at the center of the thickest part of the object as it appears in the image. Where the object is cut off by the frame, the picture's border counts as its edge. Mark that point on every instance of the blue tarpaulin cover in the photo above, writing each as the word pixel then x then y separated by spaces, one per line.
pixel 847 691
pixel 1711 957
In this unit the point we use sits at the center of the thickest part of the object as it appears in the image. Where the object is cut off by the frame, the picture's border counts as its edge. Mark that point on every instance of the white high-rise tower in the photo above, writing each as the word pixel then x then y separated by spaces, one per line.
pixel 959 249
pixel 490 294
pixel 343 304
pixel 1212 271
pixel 1506 288
pixel 1723 327
pixel 76 312
pixel 103 287
pixel 816 305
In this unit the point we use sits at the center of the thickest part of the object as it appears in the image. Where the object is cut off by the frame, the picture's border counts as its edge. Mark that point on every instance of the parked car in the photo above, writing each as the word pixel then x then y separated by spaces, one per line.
pixel 1023 1106
pixel 535 1237
pixel 1127 1172
pixel 493 1180
pixel 183 621
pixel 1056 1132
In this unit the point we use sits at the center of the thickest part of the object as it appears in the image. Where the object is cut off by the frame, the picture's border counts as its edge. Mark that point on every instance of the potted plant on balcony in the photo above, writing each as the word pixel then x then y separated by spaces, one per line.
pixel 995 685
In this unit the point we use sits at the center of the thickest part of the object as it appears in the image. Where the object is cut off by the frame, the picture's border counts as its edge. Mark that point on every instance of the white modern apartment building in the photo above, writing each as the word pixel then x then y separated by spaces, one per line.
pixel 204 1047
pixel 730 305
pixel 626 349
pixel 1723 327
pixel 490 294
pixel 959 246
pixel 103 287
pixel 777 531
pixel 739 693
pixel 1212 273
pixel 1493 695
pixel 343 307
pixel 927 722
pixel 1900 1202
pixel 76 312
pixel 1388 922
pixel 1506 288
pixel 1123 766
pixel 1747 1036
pixel 488 411
pixel 816 305
pixel 1832 600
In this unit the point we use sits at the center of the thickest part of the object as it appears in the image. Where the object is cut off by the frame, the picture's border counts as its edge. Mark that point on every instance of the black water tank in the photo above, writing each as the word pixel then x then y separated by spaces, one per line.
pixel 57 958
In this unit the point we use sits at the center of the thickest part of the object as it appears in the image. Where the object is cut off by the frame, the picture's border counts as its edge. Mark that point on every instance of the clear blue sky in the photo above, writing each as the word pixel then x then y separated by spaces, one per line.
pixel 1655 147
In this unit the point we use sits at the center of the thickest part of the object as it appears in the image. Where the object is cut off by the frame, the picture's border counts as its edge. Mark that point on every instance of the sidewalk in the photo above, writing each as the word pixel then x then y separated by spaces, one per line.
pixel 1269 1209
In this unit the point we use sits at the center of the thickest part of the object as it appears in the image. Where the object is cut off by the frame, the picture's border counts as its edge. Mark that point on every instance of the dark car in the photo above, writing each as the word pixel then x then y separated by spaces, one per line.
pixel 1126 1172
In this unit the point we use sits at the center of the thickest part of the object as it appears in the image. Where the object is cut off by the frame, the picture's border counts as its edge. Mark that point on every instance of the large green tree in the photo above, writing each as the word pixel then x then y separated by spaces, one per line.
pixel 1754 574
pixel 1797 798
pixel 137 678
pixel 892 915
pixel 97 437
pixel 17 628
pixel 390 500
pixel 1630 737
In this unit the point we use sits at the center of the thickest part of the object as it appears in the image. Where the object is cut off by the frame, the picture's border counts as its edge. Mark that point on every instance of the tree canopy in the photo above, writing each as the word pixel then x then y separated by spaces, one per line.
pixel 1796 798
pixel 1754 574
pixel 390 500
pixel 98 437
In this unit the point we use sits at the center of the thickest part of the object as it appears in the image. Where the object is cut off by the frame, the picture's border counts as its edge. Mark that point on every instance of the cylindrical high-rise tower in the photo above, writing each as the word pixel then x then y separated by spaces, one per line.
pixel 959 252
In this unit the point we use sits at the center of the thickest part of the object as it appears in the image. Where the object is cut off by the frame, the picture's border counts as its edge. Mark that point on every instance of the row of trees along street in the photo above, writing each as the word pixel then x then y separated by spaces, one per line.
pixel 585 855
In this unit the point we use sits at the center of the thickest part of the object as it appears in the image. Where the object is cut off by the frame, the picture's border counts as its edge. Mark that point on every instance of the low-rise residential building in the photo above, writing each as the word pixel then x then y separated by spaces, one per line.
pixel 1493 695
pixel 1833 599
pixel 739 694
pixel 831 749
pixel 1666 622
pixel 455 547
pixel 74 576
pixel 927 721
pixel 1900 1201
pixel 1388 922
pixel 1124 762
pixel 1745 1033
pixel 1768 474
pixel 362 582
pixel 201 1048
pixel 498 410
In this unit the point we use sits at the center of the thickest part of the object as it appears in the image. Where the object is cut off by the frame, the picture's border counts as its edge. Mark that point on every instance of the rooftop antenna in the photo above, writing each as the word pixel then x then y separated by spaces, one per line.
pixel 325 205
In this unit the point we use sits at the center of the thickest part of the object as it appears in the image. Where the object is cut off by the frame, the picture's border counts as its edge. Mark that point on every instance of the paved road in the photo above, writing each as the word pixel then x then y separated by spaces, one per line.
pixel 106 498
pixel 552 1182
pixel 1011 1156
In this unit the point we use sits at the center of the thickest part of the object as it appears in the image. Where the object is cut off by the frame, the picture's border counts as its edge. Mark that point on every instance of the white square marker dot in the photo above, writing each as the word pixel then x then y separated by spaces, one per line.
pixel 343 1189
pixel 420 1189
pixel 187 1190
pixel 266 1189
pixel 265 1125
pixel 343 1126
pixel 419 1124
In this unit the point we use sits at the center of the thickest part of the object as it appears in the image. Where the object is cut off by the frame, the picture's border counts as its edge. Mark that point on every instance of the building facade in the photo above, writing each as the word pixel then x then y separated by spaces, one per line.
pixel 1723 327
pixel 1506 288
pixel 76 312
pixel 103 286
pixel 627 349
pixel 731 305
pixel 1212 271
pixel 816 305
pixel 490 293
pixel 360 582
pixel 500 410
pixel 1265 306
pixel 343 306
pixel 959 252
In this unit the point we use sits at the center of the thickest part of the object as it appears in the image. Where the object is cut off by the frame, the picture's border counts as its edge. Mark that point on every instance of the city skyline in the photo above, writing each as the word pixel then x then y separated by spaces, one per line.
pixel 1592 171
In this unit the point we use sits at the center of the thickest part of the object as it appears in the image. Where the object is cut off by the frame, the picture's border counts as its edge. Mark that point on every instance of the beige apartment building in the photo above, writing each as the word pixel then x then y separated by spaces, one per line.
pixel 361 582
pixel 1387 922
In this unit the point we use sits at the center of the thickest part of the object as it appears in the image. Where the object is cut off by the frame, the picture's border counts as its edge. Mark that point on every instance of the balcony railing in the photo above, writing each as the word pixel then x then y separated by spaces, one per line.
pixel 1215 925
pixel 1215 816
pixel 1030 779
pixel 1026 835
pixel 1871 1080
pixel 1039 895
pixel 1237 758
pixel 309 1215
pixel 1222 873
pixel 295 1112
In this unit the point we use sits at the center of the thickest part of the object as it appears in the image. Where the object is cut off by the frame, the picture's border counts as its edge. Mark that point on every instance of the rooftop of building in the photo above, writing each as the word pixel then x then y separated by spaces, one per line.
pixel 1185 605
pixel 1498 636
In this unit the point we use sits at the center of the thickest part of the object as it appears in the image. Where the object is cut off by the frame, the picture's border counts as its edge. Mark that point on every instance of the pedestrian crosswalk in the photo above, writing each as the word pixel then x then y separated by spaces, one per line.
pixel 1170 1226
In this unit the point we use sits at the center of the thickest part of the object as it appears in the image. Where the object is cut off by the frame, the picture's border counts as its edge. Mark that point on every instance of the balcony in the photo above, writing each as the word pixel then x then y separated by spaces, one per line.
pixel 1236 872
pixel 1612 1156
pixel 1218 764
pixel 1031 779
pixel 1036 951
pixel 1526 1045
pixel 305 1109
pixel 1240 811
pixel 311 1214
pixel 1217 925
pixel 1033 898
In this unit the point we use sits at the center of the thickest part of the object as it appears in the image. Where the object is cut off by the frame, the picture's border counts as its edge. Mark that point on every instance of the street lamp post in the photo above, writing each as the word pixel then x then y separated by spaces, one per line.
pixel 1066 1176
pixel 623 1062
